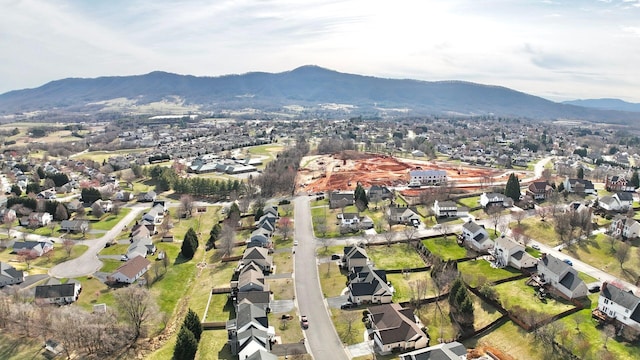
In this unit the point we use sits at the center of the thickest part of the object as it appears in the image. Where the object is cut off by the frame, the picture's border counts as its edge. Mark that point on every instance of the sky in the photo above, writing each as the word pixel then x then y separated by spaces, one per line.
pixel 560 50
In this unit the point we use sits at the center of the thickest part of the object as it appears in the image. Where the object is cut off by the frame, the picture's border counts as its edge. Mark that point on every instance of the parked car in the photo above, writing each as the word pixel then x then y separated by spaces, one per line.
pixel 295 242
pixel 304 322
pixel 124 258
pixel 536 246
pixel 594 289
pixel 286 317
pixel 348 305
pixel 335 257
pixel 415 223
pixel 568 262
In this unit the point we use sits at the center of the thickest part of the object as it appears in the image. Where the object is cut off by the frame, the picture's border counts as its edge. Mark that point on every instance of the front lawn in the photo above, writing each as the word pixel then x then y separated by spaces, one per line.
pixel 59 255
pixel 349 325
pixel 332 280
pixel 478 272
pixel 290 331
pixel 119 249
pixel 446 249
pixel 394 257
pixel 110 265
pixel 538 230
pixel 109 220
pixel 597 251
pixel 282 289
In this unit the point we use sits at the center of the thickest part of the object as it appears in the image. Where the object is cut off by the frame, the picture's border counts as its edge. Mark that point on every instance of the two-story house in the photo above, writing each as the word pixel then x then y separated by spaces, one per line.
pixel 476 236
pixel 620 304
pixel 354 257
pixel 579 186
pixel 619 202
pixel 428 177
pixel 625 227
pixel 445 208
pixel 561 276
pixel 495 199
pixel 368 285
pixel 60 294
pixel 618 183
pixel 507 252
pixel 339 199
pixel 539 190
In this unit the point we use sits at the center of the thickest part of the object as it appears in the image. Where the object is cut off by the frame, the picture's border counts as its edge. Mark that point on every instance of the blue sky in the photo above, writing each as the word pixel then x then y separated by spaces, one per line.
pixel 556 49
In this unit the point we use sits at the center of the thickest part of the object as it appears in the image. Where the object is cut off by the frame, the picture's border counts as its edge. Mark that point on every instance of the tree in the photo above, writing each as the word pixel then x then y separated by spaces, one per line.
pixel 389 236
pixel 622 253
pixel 580 173
pixel 284 226
pixel 61 212
pixel 495 214
pixel 518 216
pixel 27 256
pixel 635 180
pixel 189 244
pixel 15 189
pixel 90 195
pixel 234 214
pixel 609 332
pixel 68 246
pixel 186 206
pixel 192 322
pixel 186 345
pixel 512 189
pixel 96 210
pixel 320 225
pixel 409 233
pixel 213 236
pixel 563 227
pixel 360 197
pixel 228 236
pixel 137 308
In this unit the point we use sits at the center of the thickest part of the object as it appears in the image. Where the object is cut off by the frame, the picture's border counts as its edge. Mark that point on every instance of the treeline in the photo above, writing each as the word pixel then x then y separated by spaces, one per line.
pixel 57 209
pixel 279 176
pixel 167 179
pixel 331 145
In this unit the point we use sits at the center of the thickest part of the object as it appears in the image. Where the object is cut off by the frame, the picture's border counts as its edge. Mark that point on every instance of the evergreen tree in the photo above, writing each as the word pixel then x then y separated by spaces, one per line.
pixel 15 189
pixel 186 345
pixel 192 322
pixel 457 285
pixel 512 189
pixel 259 213
pixel 90 195
pixel 213 236
pixel 635 180
pixel 360 197
pixel 580 174
pixel 189 244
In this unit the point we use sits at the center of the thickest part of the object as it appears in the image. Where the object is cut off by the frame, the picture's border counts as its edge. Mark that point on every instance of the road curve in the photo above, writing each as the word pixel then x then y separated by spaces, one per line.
pixel 88 263
pixel 322 340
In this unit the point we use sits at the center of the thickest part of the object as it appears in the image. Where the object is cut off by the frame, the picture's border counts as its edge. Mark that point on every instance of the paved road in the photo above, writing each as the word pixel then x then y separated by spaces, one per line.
pixel 88 263
pixel 322 340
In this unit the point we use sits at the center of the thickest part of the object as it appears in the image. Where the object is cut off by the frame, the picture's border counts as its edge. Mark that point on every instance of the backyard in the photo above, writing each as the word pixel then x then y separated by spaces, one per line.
pixel 446 249
pixel 394 257
pixel 478 272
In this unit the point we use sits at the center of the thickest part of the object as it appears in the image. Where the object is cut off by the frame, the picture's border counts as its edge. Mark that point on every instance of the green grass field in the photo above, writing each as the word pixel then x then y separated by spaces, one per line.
pixel 394 257
pixel 446 249
pixel 517 293
pixel 477 272
pixel 402 284
pixel 470 202
pixel 332 280
pixel 108 221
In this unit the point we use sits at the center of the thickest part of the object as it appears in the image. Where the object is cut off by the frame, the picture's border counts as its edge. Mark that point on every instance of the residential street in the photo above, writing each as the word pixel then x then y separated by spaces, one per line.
pixel 321 338
pixel 88 263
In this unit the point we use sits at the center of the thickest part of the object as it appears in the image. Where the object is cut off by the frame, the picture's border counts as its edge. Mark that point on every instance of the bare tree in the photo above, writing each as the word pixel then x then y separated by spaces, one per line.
pixel 350 317
pixel 68 246
pixel 320 225
pixel 117 206
pixel 563 227
pixel 137 308
pixel 8 220
pixel 444 230
pixel 243 203
pixel 186 205
pixel 609 332
pixel 547 174
pixel 27 256
pixel 543 212
pixel 389 236
pixel 622 253
pixel 228 236
pixel 495 215
pixel 409 233
pixel 518 216
pixel 418 291
pixel 166 225
pixel 285 226
pixel 326 242
pixel 287 209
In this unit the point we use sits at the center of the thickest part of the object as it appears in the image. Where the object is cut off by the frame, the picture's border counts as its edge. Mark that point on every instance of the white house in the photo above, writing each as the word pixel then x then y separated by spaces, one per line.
pixel 348 219
pixel 620 202
pixel 625 227
pixel 443 351
pixel 507 252
pixel 495 199
pixel 428 177
pixel 620 304
pixel 476 236
pixel 354 256
pixel 445 208
pixel 132 270
pixel 561 276
pixel 59 293
pixel 579 186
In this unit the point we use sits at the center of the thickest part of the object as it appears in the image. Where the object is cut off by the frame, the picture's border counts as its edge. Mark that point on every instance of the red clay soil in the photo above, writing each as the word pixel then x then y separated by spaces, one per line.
pixel 484 349
pixel 343 171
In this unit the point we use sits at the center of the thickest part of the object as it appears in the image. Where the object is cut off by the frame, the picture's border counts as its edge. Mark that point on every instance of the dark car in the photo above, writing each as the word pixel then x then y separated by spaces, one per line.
pixel 568 262
pixel 348 305
pixel 594 289
pixel 335 257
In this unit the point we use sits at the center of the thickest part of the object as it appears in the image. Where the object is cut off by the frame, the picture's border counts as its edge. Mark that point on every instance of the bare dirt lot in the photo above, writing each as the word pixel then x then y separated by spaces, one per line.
pixel 344 170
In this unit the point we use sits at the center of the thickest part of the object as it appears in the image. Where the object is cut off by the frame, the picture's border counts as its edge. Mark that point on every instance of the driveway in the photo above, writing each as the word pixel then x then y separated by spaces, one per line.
pixel 88 263
pixel 322 340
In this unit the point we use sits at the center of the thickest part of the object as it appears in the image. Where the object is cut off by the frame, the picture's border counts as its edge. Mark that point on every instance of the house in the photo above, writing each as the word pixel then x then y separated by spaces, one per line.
pixel 403 214
pixel 52 348
pixel 428 177
pixel 445 208
pixel 395 328
pixel 339 199
pixel 59 293
pixel 260 238
pixel 249 332
pixel 348 219
pixel 539 190
pixel 9 275
pixel 272 210
pixel 105 205
pixel 261 299
pixel 625 227
pixel 49 194
pixel 39 247
pixel 476 236
pixel 354 257
pixel 579 186
pixel 155 215
pixel 148 196
pixel 74 226
pixel 561 276
pixel 141 246
pixel 369 286
pixel 444 351
pixel 132 270
pixel 380 192
pixel 507 252
pixel 620 202
pixel 74 205
pixel 251 279
pixel 259 256
pixel 620 304
pixel 495 199
pixel 262 355
pixel 123 196
pixel 36 219
pixel 618 183
pixel 8 214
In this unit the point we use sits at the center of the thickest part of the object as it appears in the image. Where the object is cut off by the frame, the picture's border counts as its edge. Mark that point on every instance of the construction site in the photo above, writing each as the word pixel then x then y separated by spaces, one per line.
pixel 342 171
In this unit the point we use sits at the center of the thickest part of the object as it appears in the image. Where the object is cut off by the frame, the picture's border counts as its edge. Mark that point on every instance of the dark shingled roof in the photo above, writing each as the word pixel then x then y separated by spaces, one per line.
pixel 55 291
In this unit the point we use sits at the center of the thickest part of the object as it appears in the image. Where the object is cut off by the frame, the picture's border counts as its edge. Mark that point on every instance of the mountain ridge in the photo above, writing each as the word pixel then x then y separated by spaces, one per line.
pixel 307 85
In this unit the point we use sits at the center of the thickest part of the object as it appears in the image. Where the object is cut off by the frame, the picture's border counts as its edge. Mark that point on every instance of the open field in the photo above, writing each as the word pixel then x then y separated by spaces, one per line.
pixel 100 156
pixel 333 172
pixel 394 257
pixel 447 249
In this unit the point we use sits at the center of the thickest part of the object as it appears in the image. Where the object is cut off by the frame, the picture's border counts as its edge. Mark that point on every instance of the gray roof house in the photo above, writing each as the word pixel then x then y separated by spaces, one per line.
pixel 369 286
pixel 476 236
pixel 444 351
pixel 9 275
pixel 561 276
pixel 620 304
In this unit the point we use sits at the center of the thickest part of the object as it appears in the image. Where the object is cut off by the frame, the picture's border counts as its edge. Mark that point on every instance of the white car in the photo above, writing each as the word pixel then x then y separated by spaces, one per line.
pixel 295 242
pixel 536 246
